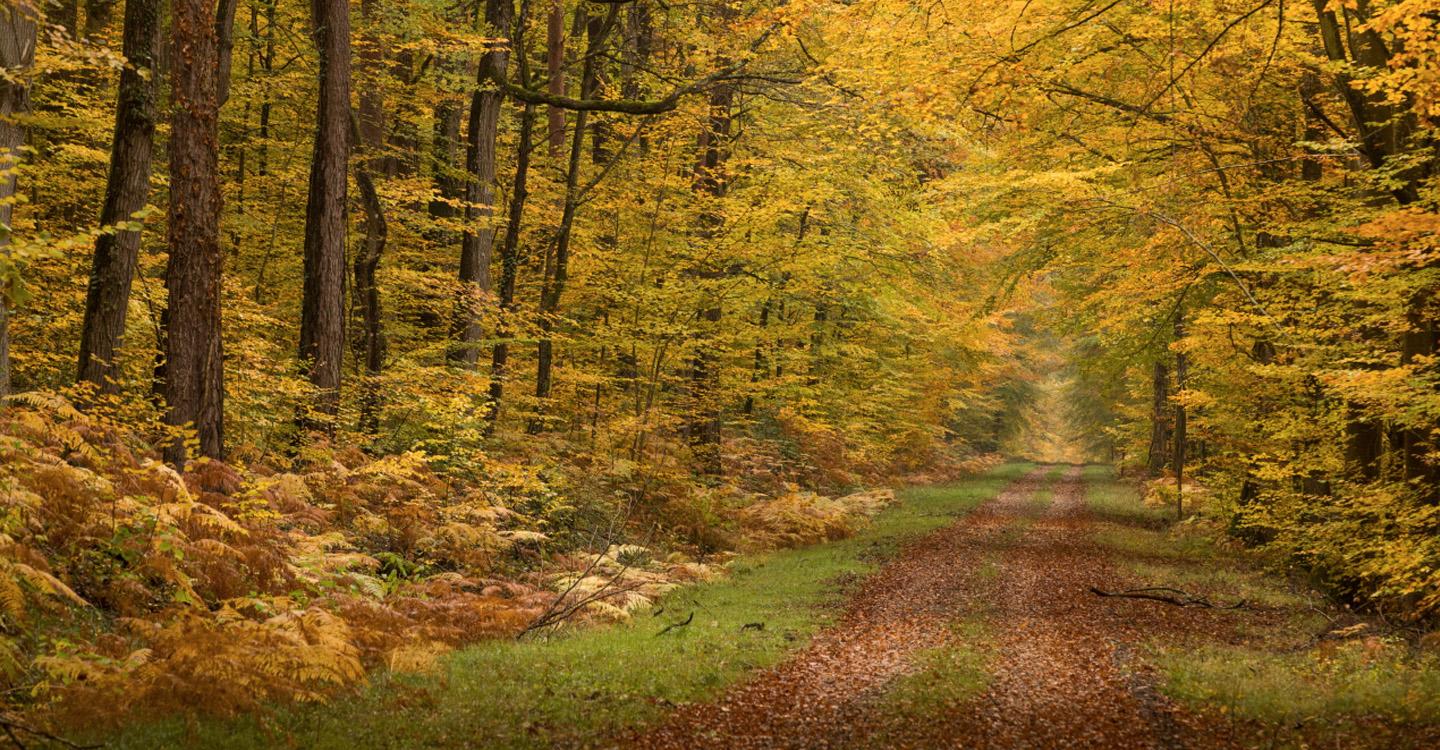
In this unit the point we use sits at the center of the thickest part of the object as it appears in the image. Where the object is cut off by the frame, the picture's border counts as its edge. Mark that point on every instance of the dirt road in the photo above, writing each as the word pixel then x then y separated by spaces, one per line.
pixel 1065 667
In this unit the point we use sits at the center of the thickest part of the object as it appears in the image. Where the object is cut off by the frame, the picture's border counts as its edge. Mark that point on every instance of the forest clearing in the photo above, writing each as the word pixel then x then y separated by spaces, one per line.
pixel 735 373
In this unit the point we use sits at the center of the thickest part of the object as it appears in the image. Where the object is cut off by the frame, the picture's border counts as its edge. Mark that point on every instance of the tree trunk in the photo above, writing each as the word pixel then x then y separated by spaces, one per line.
pixel 322 314
pixel 371 139
pixel 596 29
pixel 705 426
pixel 225 40
pixel 97 16
pixel 193 369
pixel 1159 423
pixel 510 265
pixel 510 248
pixel 113 269
pixel 445 165
pixel 555 67
pixel 478 242
pixel 1182 373
pixel 18 21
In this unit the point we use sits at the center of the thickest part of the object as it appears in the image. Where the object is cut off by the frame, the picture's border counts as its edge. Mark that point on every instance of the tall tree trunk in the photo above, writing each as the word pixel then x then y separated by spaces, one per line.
pixel 555 67
pixel 126 192
pixel 322 313
pixel 445 153
pixel 1159 421
pixel 66 15
pixel 510 247
pixel 18 19
pixel 705 425
pixel 225 41
pixel 478 242
pixel 193 369
pixel 1182 374
pixel 597 29
pixel 371 137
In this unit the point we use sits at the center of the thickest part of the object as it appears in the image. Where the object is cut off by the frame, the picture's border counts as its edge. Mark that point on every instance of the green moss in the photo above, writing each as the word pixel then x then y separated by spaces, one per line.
pixel 598 680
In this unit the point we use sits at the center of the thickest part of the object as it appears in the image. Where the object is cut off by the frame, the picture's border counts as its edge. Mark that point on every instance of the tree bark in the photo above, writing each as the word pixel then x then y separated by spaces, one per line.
pixel 113 269
pixel 371 139
pixel 1182 373
pixel 1159 423
pixel 510 247
pixel 322 313
pixel 705 426
pixel 478 242
pixel 554 287
pixel 18 20
pixel 193 370
pixel 555 67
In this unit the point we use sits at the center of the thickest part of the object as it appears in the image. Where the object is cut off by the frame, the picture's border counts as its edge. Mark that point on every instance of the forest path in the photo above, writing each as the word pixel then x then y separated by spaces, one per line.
pixel 1062 663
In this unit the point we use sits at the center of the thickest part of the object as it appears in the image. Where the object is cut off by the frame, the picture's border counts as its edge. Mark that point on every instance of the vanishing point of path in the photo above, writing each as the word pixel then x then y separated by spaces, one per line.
pixel 1065 672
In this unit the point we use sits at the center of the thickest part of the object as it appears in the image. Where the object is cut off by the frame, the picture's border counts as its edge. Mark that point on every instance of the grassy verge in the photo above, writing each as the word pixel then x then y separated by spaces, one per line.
pixel 597 681
pixel 943 678
pixel 1275 669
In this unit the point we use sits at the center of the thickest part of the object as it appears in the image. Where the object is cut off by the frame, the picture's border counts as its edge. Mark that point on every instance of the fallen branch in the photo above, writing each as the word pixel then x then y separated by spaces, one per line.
pixel 1176 597
pixel 13 729
pixel 675 625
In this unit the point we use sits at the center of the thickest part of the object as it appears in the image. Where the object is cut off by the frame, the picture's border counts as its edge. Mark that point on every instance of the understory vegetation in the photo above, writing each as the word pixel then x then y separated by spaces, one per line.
pixel 590 683
pixel 1292 662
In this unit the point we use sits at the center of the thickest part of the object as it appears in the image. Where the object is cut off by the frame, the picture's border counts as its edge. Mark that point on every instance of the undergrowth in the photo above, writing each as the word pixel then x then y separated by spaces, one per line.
pixel 1292 664
pixel 593 682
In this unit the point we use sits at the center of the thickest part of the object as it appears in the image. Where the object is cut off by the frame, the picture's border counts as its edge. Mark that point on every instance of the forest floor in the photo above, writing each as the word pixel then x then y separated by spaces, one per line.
pixel 963 618
pixel 987 634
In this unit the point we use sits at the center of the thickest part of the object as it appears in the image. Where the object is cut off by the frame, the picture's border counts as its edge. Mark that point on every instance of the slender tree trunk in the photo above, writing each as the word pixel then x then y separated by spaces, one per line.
pixel 322 313
pixel 705 426
pixel 510 265
pixel 65 14
pixel 555 67
pixel 1182 373
pixel 478 242
pixel 371 137
pixel 97 16
pixel 193 370
pixel 1159 422
pixel 18 20
pixel 445 154
pixel 113 269
pixel 510 248
pixel 597 29
pixel 225 41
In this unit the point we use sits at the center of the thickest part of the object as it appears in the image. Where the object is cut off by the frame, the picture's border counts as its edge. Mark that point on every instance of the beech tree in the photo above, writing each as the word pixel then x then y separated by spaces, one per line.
pixel 107 298
pixel 192 374
pixel 322 312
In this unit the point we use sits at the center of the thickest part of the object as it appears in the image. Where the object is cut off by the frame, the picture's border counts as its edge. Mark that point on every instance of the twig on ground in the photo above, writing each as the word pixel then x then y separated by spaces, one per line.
pixel 674 625
pixel 10 726
pixel 1179 598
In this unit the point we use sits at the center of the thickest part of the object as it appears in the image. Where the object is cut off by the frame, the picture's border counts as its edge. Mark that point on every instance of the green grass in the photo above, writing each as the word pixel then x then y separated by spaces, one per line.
pixel 1279 676
pixel 943 678
pixel 598 680
pixel 1359 678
